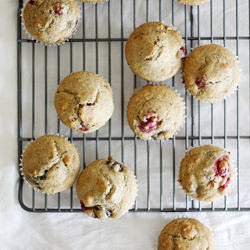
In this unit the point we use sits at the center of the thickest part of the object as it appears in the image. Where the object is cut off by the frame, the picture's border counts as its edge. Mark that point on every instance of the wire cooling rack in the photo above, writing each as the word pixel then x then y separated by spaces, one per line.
pixel 99 47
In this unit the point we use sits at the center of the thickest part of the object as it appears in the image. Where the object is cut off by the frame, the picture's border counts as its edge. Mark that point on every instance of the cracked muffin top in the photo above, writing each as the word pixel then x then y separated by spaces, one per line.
pixel 185 234
pixel 51 21
pixel 154 51
pixel 193 2
pixel 211 72
pixel 84 101
pixel 206 173
pixel 106 189
pixel 155 112
pixel 51 164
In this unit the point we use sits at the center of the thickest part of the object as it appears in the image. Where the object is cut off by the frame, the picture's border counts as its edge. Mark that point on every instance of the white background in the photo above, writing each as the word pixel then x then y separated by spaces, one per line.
pixel 22 230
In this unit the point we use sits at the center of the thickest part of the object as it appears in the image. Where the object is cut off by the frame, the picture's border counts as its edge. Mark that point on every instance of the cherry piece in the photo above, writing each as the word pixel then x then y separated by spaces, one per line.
pixel 149 124
pixel 199 83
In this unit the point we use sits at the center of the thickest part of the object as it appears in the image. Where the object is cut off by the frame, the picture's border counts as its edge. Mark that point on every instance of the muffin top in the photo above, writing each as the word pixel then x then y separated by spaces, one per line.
pixel 185 234
pixel 84 101
pixel 51 21
pixel 155 112
pixel 193 2
pixel 211 72
pixel 106 189
pixel 206 173
pixel 51 164
pixel 154 51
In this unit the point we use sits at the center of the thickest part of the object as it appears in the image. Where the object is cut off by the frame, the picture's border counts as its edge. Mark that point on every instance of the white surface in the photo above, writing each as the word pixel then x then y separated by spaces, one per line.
pixel 22 230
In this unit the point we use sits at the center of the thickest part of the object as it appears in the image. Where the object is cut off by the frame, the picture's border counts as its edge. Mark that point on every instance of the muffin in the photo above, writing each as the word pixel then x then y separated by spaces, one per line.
pixel 154 51
pixel 51 21
pixel 193 2
pixel 106 189
pixel 185 234
pixel 206 173
pixel 211 72
pixel 51 164
pixel 155 112
pixel 84 101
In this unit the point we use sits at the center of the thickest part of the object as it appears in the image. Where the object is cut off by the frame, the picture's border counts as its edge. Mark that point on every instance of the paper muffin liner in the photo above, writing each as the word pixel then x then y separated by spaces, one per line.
pixel 50 44
pixel 21 166
pixel 229 94
pixel 229 189
pixel 184 114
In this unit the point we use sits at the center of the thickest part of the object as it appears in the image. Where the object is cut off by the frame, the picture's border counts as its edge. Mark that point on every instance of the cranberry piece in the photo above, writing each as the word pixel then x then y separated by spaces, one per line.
pixel 84 127
pixel 226 184
pixel 90 104
pixel 83 206
pixel 149 124
pixel 199 83
pixel 221 167
pixel 31 2
pixel 58 10
pixel 183 81
pixel 183 49
pixel 87 208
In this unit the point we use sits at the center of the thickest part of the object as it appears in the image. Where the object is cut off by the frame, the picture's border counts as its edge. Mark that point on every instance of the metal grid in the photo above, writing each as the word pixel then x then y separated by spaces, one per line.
pixel 190 138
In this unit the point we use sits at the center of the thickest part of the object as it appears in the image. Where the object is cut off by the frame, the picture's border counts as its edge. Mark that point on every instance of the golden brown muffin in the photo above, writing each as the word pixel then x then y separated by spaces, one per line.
pixel 51 164
pixel 211 72
pixel 185 234
pixel 106 189
pixel 84 101
pixel 154 51
pixel 155 112
pixel 206 173
pixel 51 21
pixel 193 2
